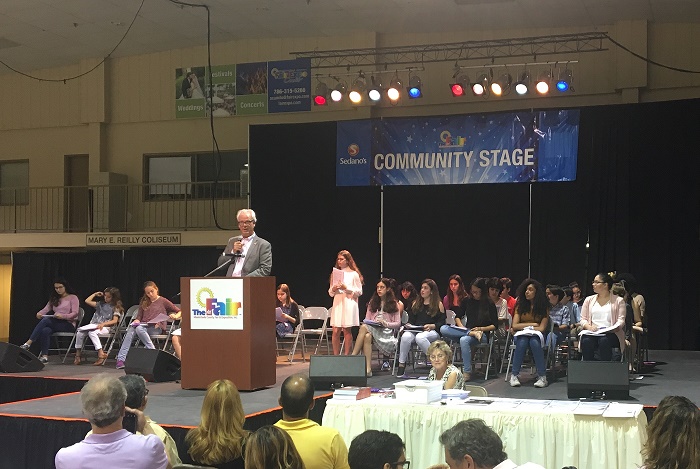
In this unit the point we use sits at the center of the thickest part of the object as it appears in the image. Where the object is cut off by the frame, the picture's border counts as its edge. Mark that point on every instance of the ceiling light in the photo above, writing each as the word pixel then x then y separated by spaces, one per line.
pixel 321 94
pixel 414 87
pixel 375 91
pixel 542 85
pixel 357 88
pixel 460 86
pixel 522 86
pixel 393 92
pixel 480 87
pixel 338 92
pixel 565 80
pixel 502 85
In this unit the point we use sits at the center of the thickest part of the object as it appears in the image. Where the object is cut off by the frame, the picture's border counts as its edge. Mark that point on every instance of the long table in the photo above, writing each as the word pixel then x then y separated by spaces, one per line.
pixel 553 434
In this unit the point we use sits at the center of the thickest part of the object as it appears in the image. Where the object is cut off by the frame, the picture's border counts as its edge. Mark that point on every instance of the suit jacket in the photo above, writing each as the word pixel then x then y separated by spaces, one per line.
pixel 257 261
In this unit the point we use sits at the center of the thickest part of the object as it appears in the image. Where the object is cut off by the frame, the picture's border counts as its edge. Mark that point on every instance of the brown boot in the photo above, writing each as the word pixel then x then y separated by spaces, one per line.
pixel 101 357
pixel 77 359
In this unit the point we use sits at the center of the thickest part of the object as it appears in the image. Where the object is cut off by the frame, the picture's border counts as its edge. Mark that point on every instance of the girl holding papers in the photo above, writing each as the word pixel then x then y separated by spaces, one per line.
pixel 603 321
pixel 381 322
pixel 530 329
pixel 151 319
pixel 345 289
pixel 287 313
pixel 108 310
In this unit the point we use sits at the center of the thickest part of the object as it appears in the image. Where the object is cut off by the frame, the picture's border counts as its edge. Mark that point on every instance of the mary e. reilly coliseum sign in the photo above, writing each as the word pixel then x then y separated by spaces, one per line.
pixel 132 239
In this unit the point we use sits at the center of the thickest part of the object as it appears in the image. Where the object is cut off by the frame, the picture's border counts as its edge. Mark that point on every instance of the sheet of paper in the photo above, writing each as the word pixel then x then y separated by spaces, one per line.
pixel 88 327
pixel 590 408
pixel 619 410
pixel 337 276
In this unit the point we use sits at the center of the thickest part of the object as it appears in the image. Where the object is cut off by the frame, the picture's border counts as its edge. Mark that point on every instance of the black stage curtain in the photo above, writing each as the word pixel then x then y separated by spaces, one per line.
pixel 13 388
pixel 636 200
pixel 91 271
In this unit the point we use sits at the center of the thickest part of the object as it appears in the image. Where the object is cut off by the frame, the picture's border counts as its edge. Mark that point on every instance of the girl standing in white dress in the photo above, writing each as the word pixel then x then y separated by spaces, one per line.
pixel 345 312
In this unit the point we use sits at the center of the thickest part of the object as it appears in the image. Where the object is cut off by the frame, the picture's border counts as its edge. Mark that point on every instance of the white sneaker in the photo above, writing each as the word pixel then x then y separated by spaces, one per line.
pixel 541 382
pixel 514 381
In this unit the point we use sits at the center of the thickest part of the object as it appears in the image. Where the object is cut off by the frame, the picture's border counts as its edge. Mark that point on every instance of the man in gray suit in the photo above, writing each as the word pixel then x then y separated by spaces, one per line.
pixel 255 258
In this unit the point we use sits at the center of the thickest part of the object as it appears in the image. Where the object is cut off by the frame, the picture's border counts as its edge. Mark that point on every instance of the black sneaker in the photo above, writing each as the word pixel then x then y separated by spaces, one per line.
pixel 401 371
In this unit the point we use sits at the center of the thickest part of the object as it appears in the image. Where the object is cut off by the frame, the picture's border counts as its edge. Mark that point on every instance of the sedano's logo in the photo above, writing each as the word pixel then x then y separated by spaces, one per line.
pixel 353 151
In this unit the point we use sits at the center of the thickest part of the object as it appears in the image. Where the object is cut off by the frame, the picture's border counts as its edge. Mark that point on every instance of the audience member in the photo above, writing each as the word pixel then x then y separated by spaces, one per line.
pixel 219 440
pixel 290 311
pixel 345 312
pixel 271 447
pixel 504 317
pixel 137 398
pixel 505 294
pixel 574 311
pixel 455 294
pixel 577 293
pixel 408 295
pixel 531 318
pixel 673 435
pixel 425 318
pixel 382 320
pixel 374 449
pixel 108 310
pixel 559 314
pixel 59 315
pixel 602 310
pixel 319 447
pixel 440 355
pixel 103 401
pixel 471 444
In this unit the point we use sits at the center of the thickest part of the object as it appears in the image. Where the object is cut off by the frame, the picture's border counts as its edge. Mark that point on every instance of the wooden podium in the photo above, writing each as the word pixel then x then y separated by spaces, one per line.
pixel 247 357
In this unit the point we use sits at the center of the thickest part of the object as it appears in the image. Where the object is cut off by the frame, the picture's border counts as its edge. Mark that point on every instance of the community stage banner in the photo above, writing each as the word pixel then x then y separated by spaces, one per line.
pixel 469 149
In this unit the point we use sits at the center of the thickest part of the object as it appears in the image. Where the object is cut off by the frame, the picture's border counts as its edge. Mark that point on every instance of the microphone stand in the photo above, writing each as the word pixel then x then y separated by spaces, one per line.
pixel 232 258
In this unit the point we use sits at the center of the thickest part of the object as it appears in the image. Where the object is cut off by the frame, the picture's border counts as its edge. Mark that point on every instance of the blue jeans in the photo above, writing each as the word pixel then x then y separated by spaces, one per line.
pixel 47 326
pixel 466 342
pixel 522 343
pixel 143 332
pixel 422 339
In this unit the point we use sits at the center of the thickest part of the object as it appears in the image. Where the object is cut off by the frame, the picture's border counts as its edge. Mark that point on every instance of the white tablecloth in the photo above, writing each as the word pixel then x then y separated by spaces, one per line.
pixel 532 431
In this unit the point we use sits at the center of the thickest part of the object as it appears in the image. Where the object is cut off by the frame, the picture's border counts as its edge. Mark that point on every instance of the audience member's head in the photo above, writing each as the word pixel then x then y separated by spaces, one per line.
pixel 136 391
pixel 440 347
pixel 673 435
pixel 220 434
pixel 296 396
pixel 374 449
pixel 271 448
pixel 531 296
pixel 568 294
pixel 472 443
pixel 103 399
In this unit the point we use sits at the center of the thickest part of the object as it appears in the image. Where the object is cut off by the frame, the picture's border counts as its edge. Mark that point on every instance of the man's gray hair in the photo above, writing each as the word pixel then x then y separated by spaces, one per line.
pixel 478 440
pixel 135 387
pixel 248 212
pixel 103 399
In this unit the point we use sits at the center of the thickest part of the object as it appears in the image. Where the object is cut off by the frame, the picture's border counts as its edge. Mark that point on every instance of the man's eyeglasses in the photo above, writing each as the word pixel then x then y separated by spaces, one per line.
pixel 403 464
pixel 246 222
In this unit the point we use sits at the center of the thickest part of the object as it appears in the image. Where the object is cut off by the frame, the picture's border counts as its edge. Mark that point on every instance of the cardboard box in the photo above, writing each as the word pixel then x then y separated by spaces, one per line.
pixel 418 391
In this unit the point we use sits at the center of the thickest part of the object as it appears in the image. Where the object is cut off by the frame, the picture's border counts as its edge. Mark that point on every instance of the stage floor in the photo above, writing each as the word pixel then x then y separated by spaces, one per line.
pixel 677 373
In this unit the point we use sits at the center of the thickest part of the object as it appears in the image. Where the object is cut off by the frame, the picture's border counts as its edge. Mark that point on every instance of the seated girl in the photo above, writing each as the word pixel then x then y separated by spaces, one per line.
pixel 108 310
pixel 290 311
pixel 531 319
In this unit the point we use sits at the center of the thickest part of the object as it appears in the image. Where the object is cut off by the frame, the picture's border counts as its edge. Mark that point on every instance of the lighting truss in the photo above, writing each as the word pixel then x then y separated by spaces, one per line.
pixel 457 51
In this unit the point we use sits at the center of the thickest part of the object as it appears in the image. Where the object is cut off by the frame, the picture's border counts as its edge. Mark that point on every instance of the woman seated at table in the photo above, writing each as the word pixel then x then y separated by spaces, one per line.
pixel 479 316
pixel 151 306
pixel 59 315
pixel 440 355
pixel 290 311
pixel 531 318
pixel 382 320
pixel 602 310
pixel 426 317
pixel 456 293
pixel 219 440
pixel 108 310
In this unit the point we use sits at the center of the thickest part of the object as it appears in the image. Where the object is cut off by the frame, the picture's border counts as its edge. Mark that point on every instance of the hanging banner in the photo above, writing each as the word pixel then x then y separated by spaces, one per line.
pixel 289 85
pixel 251 88
pixel 472 149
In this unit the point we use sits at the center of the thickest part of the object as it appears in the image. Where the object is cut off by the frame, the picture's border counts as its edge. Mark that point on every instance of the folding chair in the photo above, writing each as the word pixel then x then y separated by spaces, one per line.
pixel 314 313
pixel 485 350
pixel 475 391
pixel 111 337
pixel 292 338
pixel 404 320
pixel 546 350
pixel 58 335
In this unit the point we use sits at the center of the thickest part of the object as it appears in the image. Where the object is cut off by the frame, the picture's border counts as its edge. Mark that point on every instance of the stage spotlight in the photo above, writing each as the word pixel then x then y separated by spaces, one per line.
pixel 542 85
pixel 459 87
pixel 502 85
pixel 320 95
pixel 522 86
pixel 338 92
pixel 414 87
pixel 375 91
pixel 357 88
pixel 393 92
pixel 564 81
pixel 480 87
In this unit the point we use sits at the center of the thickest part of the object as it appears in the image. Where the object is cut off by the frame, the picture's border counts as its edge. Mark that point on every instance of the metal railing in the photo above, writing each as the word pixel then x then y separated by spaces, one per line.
pixel 121 208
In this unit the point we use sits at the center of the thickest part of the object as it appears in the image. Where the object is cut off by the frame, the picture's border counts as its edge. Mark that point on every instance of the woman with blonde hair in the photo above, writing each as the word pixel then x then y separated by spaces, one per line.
pixel 440 355
pixel 673 435
pixel 345 289
pixel 219 439
pixel 271 447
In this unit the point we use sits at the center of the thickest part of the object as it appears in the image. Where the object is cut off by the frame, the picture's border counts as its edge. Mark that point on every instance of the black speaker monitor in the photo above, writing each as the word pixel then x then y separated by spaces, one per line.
pixel 598 380
pixel 14 359
pixel 334 371
pixel 154 365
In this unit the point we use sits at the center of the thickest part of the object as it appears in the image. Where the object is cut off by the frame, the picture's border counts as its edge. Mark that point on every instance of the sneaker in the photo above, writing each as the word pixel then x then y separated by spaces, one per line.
pixel 541 382
pixel 44 359
pixel 24 346
pixel 401 371
pixel 385 365
pixel 514 381
pixel 120 364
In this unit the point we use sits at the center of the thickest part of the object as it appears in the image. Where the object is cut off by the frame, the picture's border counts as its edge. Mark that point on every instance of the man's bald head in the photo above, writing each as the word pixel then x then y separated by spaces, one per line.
pixel 297 396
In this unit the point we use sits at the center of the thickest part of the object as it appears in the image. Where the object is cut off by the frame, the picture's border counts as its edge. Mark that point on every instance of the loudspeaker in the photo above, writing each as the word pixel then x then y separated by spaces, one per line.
pixel 154 365
pixel 335 371
pixel 592 379
pixel 13 359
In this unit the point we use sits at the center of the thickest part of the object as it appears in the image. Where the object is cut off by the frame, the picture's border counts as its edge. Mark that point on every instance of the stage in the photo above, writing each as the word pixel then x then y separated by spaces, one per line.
pixel 41 411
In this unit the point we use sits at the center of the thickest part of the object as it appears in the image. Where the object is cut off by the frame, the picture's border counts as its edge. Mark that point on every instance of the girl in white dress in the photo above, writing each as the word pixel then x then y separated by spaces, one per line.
pixel 345 312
